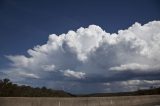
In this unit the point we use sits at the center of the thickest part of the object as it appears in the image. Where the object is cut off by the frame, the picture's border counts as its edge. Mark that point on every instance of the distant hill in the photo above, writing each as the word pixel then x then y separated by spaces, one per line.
pixel 151 91
pixel 8 89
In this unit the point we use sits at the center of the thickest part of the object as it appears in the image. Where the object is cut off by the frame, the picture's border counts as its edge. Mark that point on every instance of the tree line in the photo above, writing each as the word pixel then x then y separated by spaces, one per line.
pixel 9 89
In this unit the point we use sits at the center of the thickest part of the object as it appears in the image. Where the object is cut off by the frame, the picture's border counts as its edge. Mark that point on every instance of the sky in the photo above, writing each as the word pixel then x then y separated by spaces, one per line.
pixel 81 46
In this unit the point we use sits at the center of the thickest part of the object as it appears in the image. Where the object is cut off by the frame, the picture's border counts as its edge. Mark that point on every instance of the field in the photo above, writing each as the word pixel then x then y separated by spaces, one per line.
pixel 152 100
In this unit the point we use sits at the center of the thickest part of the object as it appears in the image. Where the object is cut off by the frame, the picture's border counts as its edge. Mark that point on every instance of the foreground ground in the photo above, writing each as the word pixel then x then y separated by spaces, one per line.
pixel 152 100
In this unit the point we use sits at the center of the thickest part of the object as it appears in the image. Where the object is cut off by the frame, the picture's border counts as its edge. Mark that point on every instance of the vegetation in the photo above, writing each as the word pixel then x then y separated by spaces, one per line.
pixel 8 89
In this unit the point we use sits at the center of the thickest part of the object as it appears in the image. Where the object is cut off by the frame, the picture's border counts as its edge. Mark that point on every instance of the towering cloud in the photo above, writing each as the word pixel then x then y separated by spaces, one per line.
pixel 90 56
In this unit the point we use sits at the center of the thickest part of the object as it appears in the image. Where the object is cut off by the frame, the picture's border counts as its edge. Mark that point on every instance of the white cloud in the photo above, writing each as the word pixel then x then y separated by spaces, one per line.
pixel 131 85
pixel 98 54
pixel 135 67
pixel 132 66
pixel 20 60
pixel 70 73
pixel 48 67
pixel 28 75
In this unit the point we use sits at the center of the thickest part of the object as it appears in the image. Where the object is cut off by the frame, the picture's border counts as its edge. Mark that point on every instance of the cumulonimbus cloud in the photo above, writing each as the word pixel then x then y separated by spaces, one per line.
pixel 91 55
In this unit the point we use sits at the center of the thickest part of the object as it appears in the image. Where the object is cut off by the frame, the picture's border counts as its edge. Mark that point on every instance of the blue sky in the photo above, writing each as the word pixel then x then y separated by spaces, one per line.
pixel 30 22
pixel 25 24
